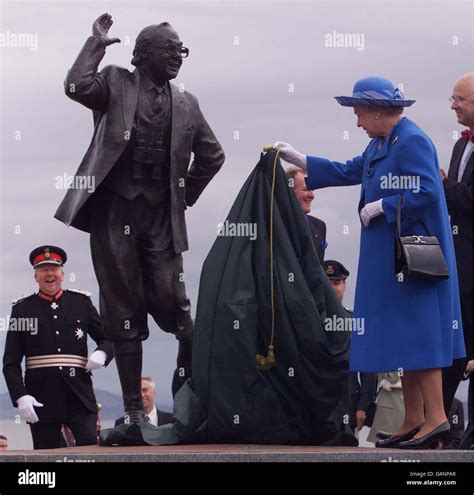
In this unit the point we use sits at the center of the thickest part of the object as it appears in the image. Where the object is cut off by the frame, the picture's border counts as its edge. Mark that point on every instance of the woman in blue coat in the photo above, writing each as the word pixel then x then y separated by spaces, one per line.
pixel 411 326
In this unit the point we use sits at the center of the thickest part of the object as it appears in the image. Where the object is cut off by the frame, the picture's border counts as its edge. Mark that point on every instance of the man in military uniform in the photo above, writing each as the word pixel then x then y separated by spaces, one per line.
pixel 337 275
pixel 54 323
pixel 362 386
pixel 145 132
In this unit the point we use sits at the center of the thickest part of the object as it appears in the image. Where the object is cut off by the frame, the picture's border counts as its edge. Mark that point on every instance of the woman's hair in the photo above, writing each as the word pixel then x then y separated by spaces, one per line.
pixel 145 38
pixel 292 171
pixel 388 111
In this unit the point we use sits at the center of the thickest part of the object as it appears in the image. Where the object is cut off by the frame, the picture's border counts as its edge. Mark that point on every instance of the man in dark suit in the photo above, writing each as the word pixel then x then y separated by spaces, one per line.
pixel 57 388
pixel 458 188
pixel 145 131
pixel 305 197
pixel 152 414
pixel 362 387
pixel 456 421
pixel 467 441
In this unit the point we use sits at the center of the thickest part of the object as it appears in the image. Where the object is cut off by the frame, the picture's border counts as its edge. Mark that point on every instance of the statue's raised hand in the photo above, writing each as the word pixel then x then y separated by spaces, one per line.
pixel 101 27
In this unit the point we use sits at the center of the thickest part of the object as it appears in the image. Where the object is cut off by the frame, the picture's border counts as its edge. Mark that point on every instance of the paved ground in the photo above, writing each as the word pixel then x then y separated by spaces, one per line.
pixel 234 453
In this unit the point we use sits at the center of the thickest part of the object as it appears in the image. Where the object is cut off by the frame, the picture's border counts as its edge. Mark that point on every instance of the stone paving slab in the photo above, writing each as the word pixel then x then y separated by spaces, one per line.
pixel 234 453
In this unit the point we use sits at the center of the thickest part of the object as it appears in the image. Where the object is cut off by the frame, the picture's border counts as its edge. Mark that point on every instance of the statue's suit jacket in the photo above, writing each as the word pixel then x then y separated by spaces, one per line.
pixel 112 95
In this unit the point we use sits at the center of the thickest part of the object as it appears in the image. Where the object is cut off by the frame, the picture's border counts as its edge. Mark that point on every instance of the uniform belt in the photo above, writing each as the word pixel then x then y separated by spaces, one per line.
pixel 53 360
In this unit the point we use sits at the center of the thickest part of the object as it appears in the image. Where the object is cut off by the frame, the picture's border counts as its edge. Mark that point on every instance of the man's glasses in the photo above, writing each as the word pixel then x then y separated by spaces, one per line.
pixel 171 50
pixel 458 99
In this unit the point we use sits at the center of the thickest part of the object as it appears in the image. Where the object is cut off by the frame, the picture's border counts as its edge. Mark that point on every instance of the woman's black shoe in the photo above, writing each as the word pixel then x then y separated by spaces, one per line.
pixel 394 440
pixel 383 435
pixel 430 440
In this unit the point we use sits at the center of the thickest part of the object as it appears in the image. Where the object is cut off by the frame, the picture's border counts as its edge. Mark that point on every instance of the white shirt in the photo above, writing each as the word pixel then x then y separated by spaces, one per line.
pixel 153 416
pixel 465 158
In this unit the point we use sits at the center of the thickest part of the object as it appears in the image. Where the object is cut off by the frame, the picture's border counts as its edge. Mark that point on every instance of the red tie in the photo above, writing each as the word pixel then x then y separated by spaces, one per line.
pixel 468 135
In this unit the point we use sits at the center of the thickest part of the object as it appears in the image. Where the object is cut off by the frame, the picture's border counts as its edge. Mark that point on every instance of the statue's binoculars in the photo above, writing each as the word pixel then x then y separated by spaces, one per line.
pixel 151 158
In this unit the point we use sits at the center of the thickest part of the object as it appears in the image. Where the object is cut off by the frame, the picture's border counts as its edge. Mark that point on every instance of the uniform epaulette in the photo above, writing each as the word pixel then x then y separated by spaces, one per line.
pixel 81 291
pixel 21 298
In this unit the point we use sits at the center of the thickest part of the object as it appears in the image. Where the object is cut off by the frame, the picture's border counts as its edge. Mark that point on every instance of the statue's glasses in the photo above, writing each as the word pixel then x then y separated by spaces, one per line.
pixel 171 50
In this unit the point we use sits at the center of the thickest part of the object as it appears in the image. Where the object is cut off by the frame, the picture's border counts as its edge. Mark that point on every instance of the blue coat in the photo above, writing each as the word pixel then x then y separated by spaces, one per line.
pixel 414 324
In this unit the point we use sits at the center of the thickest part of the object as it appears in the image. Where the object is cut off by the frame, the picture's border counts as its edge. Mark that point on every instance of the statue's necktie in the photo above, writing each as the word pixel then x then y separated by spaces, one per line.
pixel 157 105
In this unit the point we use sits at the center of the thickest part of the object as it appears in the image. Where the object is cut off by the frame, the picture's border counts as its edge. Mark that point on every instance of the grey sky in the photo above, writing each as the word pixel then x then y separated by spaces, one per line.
pixel 242 88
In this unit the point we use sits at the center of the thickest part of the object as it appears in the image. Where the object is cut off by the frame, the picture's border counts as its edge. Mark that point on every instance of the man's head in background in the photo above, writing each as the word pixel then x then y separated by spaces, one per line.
pixel 3 442
pixel 48 262
pixel 303 194
pixel 337 274
pixel 148 390
pixel 462 100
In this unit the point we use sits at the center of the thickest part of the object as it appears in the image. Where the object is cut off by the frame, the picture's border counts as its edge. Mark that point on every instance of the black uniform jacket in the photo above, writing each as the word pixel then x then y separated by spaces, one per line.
pixel 57 332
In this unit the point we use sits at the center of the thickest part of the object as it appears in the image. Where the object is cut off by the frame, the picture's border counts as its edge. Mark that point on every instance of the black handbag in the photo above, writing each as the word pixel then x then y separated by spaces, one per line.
pixel 418 257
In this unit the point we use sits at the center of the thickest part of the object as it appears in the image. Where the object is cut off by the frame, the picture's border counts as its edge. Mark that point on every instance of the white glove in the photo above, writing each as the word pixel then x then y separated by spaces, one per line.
pixel 371 210
pixel 96 360
pixel 290 155
pixel 27 411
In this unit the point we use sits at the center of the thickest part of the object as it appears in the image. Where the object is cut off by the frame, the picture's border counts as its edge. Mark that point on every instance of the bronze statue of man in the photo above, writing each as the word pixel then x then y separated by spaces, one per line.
pixel 145 131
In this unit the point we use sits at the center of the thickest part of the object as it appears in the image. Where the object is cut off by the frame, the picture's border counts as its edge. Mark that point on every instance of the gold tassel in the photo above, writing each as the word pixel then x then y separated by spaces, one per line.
pixel 266 363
